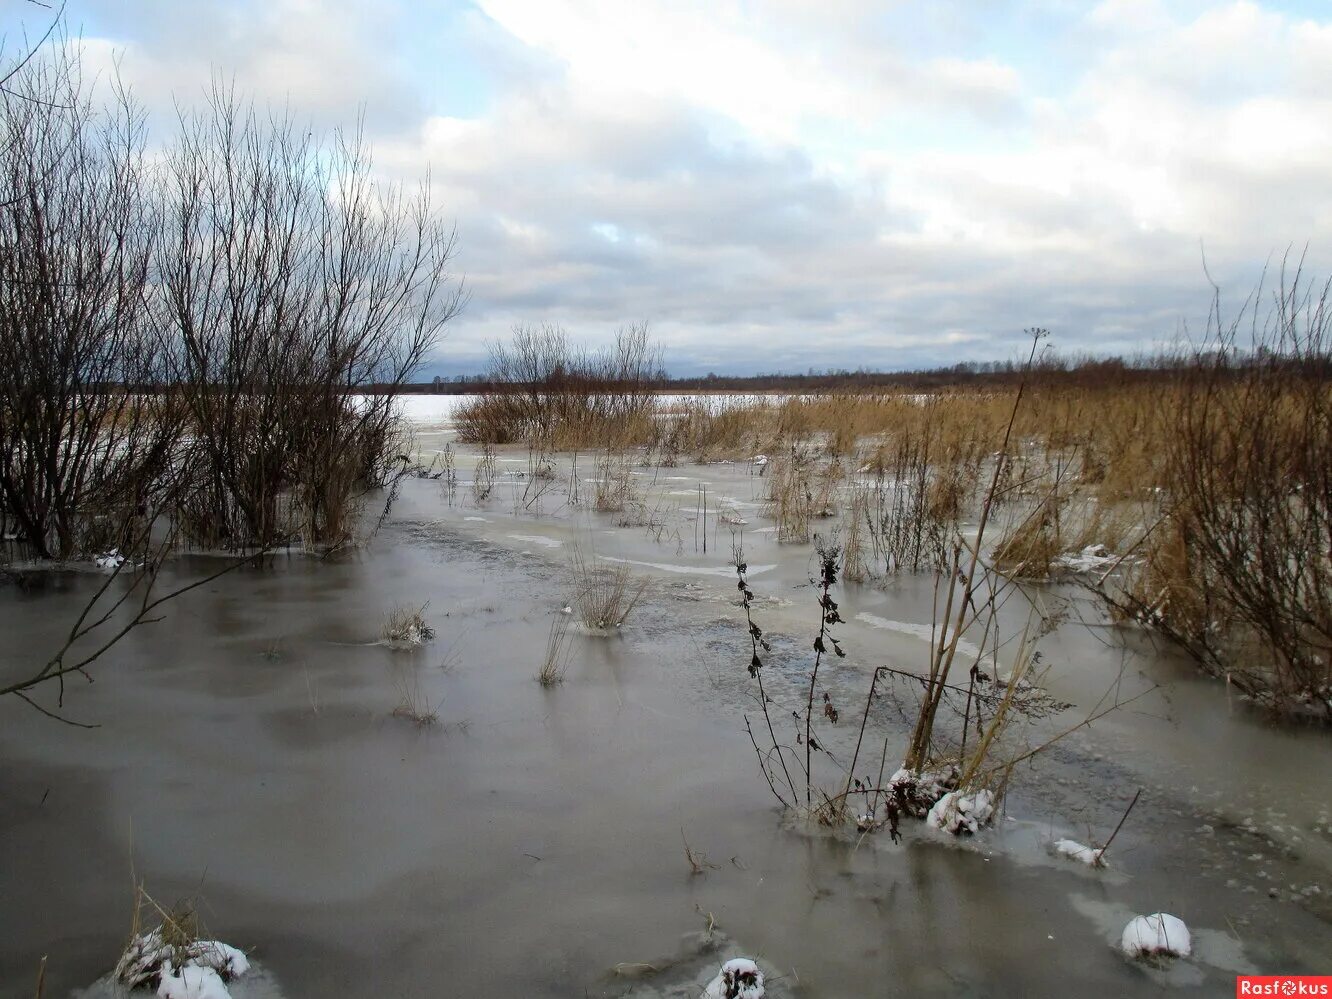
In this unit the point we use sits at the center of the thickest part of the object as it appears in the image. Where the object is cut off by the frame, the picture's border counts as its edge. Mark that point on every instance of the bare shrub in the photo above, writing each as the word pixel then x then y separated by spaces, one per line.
pixel 1249 526
pixel 85 442
pixel 549 391
pixel 290 281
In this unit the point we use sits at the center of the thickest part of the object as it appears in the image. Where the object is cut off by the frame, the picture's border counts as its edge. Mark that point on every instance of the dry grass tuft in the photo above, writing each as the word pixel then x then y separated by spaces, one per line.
pixel 556 660
pixel 800 490
pixel 178 942
pixel 1030 546
pixel 696 859
pixel 615 484
pixel 406 626
pixel 414 704
pixel 604 595
pixel 483 477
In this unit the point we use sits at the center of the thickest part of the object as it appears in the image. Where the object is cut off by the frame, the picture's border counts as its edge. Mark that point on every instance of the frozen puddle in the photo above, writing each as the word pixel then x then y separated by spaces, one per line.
pixel 922 631
pixel 1216 948
pixel 537 539
pixel 689 570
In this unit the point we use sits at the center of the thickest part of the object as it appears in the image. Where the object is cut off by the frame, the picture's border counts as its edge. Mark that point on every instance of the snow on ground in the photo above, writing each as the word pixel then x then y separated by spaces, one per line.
pixel 110 561
pixel 207 966
pixel 1091 559
pixel 691 570
pixel 958 812
pixel 413 636
pixel 191 982
pixel 922 631
pixel 1074 850
pixel 1159 933
pixel 920 792
pixel 538 539
pixel 739 978
pixel 432 410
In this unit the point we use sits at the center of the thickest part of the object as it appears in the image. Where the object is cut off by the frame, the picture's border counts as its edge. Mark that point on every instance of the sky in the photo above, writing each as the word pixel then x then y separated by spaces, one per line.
pixel 789 185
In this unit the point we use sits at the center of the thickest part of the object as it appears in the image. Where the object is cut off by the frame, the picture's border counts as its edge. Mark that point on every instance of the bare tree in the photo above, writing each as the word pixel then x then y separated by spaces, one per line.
pixel 83 445
pixel 212 348
pixel 291 283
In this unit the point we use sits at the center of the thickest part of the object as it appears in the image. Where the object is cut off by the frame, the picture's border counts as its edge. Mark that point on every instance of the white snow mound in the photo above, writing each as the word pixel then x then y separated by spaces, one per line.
pixel 1074 850
pixel 110 561
pixel 957 812
pixel 1090 559
pixel 740 978
pixel 1159 933
pixel 191 982
pixel 148 957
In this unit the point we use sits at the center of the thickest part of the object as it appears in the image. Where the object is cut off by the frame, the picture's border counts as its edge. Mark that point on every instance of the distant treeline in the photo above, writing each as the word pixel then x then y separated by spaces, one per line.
pixel 1053 369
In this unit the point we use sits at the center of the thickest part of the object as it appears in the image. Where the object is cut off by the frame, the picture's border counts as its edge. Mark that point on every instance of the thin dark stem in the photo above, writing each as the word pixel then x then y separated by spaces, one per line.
pixel 864 720
pixel 813 679
pixel 1101 852
pixel 763 766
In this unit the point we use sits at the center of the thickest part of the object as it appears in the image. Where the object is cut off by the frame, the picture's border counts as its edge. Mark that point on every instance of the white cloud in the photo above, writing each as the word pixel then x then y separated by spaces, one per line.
pixel 324 60
pixel 813 179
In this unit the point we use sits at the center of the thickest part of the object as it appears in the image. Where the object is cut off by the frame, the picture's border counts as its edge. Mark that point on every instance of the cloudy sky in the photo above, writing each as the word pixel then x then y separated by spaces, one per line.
pixel 789 184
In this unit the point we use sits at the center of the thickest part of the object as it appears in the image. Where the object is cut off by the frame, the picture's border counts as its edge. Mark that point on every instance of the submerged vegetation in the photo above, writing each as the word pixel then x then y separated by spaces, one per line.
pixel 604 595
pixel 406 627
pixel 555 660
pixel 1190 492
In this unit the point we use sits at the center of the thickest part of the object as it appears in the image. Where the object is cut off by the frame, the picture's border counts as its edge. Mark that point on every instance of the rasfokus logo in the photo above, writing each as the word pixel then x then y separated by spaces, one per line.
pixel 1283 985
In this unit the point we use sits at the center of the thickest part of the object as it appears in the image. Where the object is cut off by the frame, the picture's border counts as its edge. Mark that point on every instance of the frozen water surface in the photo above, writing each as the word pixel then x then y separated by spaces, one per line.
pixel 528 843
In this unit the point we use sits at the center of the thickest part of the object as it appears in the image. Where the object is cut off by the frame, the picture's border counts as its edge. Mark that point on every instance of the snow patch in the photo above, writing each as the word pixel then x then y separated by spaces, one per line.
pixel 740 978
pixel 1090 559
pixel 915 630
pixel 192 982
pixel 537 539
pixel 1157 934
pixel 691 570
pixel 919 792
pixel 206 965
pixel 1074 850
pixel 958 812
pixel 413 636
pixel 110 561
